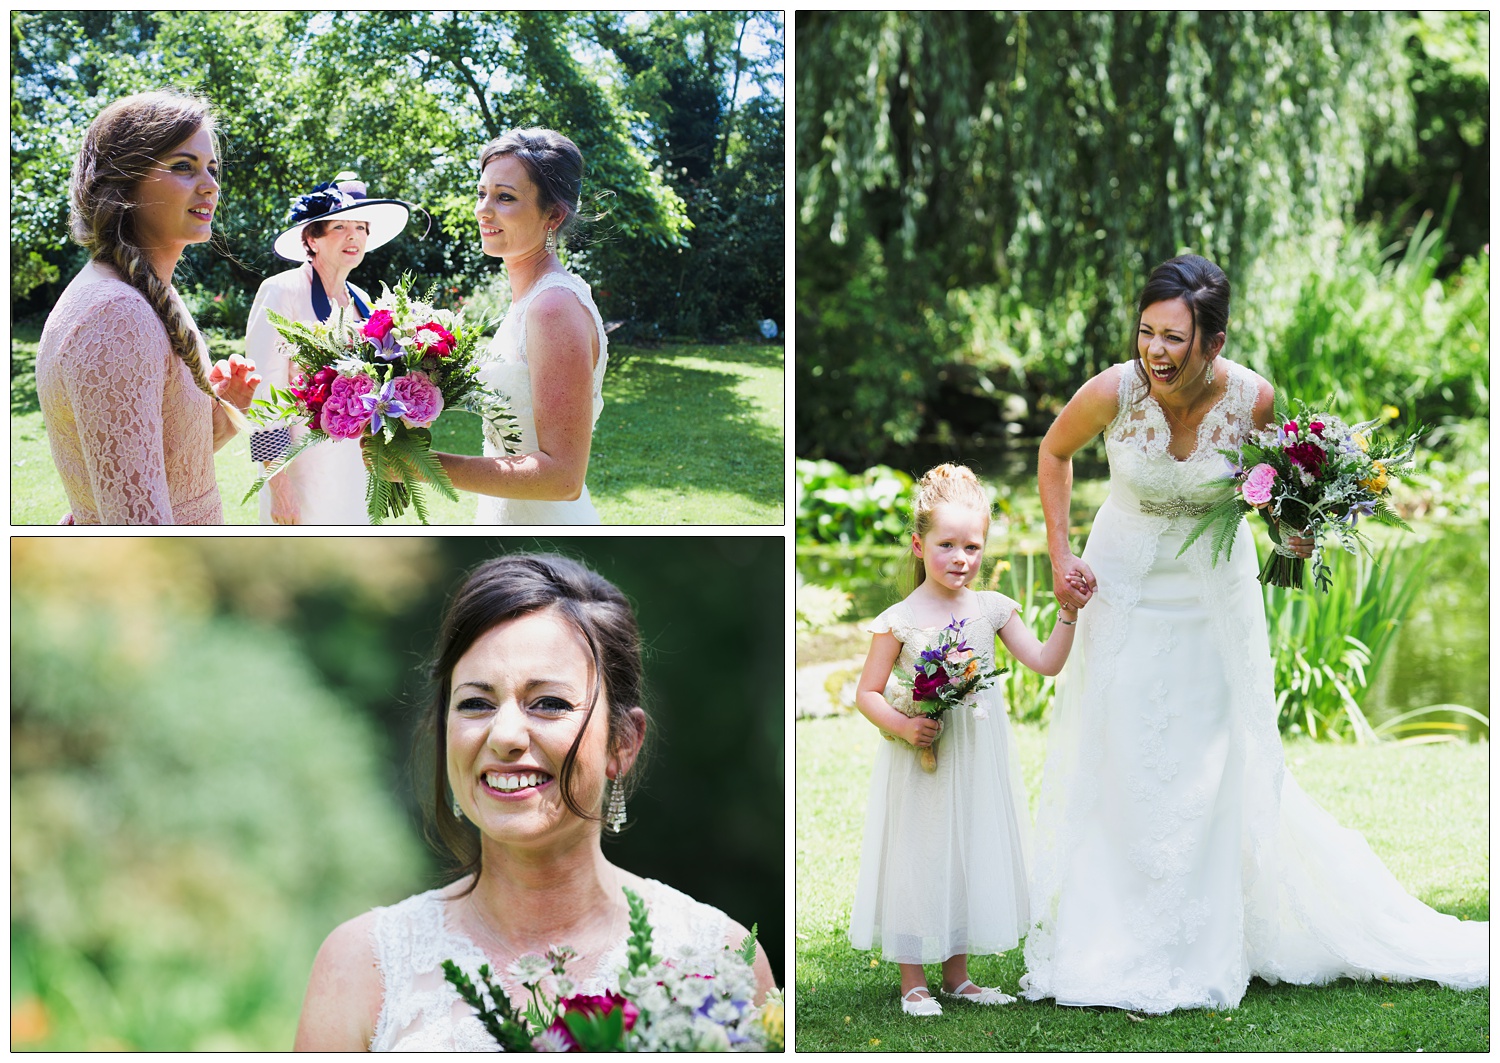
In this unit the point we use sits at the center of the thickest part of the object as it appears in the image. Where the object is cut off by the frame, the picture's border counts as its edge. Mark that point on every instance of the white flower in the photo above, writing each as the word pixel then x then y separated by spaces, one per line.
pixel 529 969
pixel 350 366
pixel 549 1040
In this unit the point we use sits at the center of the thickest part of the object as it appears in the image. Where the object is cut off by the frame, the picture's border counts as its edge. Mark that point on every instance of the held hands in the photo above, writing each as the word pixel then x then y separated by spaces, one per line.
pixel 1074 584
pixel 234 380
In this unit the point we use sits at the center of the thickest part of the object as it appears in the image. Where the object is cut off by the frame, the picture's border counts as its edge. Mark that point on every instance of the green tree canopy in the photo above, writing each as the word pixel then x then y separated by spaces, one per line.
pixel 980 195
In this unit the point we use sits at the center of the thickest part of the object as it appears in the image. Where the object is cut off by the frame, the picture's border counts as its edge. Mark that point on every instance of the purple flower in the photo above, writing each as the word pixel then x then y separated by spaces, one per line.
pixel 387 347
pixel 385 404
pixel 1360 509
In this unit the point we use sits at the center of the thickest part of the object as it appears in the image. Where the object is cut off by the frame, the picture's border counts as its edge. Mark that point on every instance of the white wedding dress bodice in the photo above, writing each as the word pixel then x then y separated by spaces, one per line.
pixel 505 368
pixel 422 1012
pixel 1176 857
pixel 942 870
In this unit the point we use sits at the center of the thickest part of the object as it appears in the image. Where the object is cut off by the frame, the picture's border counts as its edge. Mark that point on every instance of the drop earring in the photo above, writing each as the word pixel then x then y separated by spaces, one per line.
pixel 458 813
pixel 1208 375
pixel 550 246
pixel 614 812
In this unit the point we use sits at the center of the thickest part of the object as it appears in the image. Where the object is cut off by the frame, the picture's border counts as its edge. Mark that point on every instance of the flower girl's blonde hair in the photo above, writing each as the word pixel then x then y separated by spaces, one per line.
pixel 953 484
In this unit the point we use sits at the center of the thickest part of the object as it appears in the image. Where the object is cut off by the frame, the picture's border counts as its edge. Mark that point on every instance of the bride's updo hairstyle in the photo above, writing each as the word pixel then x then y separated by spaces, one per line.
pixel 952 484
pixel 1198 283
pixel 119 149
pixel 510 587
pixel 553 162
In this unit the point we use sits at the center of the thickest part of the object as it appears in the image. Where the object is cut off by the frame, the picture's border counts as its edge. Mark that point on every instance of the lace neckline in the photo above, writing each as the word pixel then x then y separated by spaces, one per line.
pixel 1208 416
pixel 448 929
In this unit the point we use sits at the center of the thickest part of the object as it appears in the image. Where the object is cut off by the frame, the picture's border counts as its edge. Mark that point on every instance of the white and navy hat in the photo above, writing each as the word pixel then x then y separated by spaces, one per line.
pixel 343 197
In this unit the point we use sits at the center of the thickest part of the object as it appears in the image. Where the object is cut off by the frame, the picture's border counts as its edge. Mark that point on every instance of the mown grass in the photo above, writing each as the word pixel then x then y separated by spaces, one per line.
pixel 1422 808
pixel 690 434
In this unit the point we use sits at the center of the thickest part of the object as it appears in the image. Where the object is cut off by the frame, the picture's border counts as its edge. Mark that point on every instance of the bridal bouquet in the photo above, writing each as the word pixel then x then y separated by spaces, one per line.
pixel 1309 471
pixel 693 1001
pixel 383 381
pixel 948 672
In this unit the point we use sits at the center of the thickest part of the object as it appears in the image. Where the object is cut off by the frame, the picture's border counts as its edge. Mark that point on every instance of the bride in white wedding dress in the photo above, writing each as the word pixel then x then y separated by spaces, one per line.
pixel 549 354
pixel 1176 857
pixel 537 726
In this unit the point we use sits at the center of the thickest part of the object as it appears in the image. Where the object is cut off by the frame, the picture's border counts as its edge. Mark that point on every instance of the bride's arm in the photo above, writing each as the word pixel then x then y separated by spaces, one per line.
pixel 560 351
pixel 1087 414
pixel 344 993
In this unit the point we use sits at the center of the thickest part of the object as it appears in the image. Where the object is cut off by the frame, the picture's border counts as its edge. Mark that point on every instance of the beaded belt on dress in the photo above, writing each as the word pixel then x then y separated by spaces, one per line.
pixel 1174 507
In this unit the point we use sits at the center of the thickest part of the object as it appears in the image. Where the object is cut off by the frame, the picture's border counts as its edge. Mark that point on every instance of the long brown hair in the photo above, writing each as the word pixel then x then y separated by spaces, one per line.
pixel 513 586
pixel 118 150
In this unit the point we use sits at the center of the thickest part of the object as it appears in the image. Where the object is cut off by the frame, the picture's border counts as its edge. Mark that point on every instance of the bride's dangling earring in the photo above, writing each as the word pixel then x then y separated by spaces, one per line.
pixel 1208 375
pixel 614 812
pixel 550 246
pixel 458 813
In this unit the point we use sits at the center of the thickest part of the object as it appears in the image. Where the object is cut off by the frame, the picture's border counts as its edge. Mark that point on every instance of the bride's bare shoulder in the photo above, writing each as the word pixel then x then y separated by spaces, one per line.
pixel 343 997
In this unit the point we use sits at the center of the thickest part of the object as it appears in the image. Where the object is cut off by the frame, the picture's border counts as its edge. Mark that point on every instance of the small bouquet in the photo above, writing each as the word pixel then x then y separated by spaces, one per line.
pixel 694 1001
pixel 948 672
pixel 384 382
pixel 1309 471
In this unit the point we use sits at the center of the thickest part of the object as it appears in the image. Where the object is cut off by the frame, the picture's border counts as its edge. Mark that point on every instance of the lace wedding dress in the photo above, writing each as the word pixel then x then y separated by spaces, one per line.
pixel 131 435
pixel 942 870
pixel 1175 855
pixel 505 369
pixel 421 1012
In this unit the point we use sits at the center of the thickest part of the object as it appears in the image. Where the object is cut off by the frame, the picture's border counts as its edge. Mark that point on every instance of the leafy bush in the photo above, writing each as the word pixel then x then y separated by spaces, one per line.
pixel 191 813
pixel 226 310
pixel 835 506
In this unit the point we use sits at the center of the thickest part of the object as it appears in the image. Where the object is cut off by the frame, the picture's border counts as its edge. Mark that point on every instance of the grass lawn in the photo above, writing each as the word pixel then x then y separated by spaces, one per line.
pixel 1423 810
pixel 690 434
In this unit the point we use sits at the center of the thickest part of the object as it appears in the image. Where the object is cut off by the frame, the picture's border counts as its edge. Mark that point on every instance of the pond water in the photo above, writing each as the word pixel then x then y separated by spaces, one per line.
pixel 1440 656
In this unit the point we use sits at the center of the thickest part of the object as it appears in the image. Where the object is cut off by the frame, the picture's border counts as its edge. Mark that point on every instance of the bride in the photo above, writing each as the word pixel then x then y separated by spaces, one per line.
pixel 537 725
pixel 1176 856
pixel 549 354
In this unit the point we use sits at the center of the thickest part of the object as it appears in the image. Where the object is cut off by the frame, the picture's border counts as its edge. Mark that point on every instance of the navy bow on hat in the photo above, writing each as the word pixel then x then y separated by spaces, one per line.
pixel 321 200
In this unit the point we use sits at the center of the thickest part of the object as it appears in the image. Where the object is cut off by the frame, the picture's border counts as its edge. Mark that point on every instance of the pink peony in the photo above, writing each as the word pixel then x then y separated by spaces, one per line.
pixel 344 416
pixel 432 338
pixel 422 398
pixel 378 325
pixel 1257 489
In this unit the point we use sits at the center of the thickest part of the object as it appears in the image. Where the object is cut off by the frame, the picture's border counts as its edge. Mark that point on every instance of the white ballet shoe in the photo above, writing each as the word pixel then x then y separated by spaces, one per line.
pixel 923 1006
pixel 982 996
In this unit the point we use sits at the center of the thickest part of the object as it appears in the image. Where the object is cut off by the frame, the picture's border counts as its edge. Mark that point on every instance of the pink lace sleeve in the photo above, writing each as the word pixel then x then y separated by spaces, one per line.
pixel 119 365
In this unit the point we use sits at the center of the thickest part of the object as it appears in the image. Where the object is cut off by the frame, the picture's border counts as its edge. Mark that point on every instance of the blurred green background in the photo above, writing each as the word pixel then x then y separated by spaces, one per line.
pixel 211 761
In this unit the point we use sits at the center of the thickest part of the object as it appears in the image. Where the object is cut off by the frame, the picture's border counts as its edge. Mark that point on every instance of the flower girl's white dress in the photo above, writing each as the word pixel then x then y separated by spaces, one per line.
pixel 1175 855
pixel 942 870
pixel 421 1012
pixel 505 368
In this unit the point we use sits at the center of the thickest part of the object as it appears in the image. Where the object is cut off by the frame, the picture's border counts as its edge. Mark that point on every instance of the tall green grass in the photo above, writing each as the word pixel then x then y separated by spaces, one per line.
pixel 1376 326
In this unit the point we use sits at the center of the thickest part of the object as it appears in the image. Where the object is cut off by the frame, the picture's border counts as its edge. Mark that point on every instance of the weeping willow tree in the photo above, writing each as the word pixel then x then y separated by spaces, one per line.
pixel 980 195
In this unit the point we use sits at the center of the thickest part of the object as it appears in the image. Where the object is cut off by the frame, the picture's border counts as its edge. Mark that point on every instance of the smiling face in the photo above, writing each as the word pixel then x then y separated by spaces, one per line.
pixel 953 546
pixel 341 245
pixel 509 211
pixel 176 200
pixel 1174 355
pixel 518 701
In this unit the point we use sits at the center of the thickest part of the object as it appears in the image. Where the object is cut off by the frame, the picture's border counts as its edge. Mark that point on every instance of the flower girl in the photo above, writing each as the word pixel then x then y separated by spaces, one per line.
pixel 942 872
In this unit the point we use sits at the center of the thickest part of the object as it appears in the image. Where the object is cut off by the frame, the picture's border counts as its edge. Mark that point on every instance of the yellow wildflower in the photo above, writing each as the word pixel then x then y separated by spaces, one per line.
pixel 874 1041
pixel 1378 481
pixel 1390 413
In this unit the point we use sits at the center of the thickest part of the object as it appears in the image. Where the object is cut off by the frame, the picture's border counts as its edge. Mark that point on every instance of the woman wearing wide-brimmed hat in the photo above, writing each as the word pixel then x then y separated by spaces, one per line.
pixel 331 229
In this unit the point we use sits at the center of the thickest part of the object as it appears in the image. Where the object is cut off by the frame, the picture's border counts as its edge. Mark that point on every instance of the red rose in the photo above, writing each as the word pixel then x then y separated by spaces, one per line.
pixel 592 1007
pixel 378 325
pixel 1307 456
pixel 927 686
pixel 313 394
pixel 432 338
pixel 1291 428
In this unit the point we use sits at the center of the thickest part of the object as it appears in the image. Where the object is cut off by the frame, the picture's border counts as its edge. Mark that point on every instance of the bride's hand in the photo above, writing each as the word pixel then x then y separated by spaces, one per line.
pixel 1073 582
pixel 1301 545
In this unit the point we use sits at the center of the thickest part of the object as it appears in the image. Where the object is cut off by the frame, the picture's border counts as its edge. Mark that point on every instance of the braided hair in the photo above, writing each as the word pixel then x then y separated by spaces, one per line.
pixel 118 150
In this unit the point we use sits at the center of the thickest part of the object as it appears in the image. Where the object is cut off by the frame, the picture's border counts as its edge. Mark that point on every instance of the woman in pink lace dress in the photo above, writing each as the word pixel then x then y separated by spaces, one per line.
pixel 134 411
pixel 537 726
